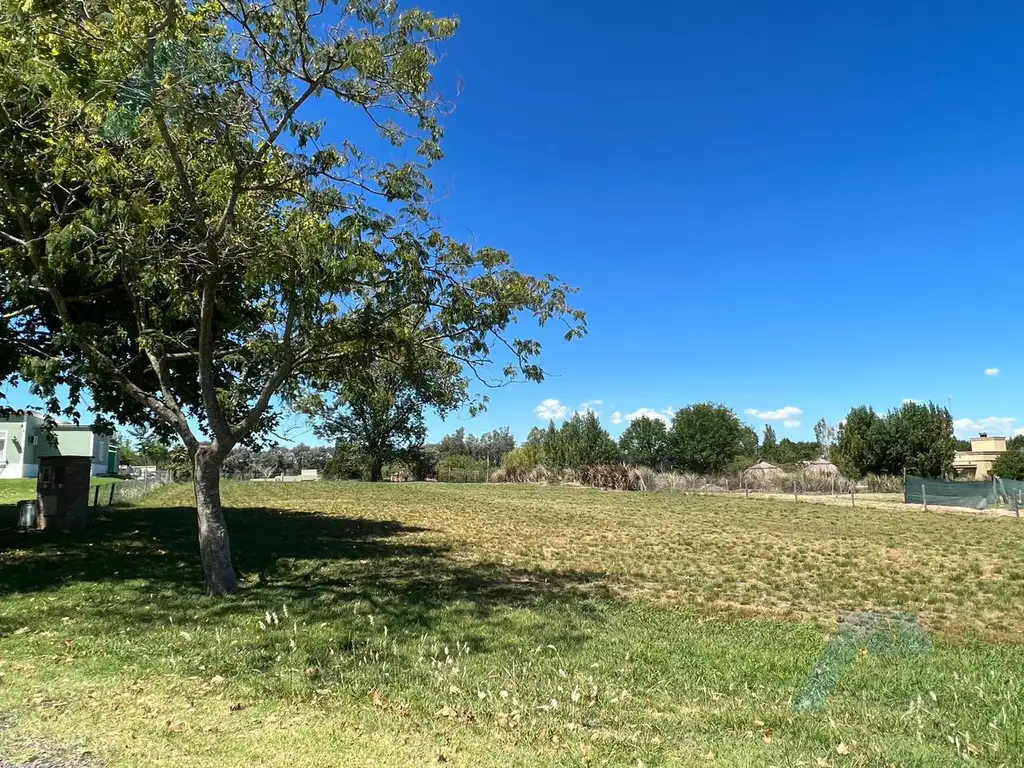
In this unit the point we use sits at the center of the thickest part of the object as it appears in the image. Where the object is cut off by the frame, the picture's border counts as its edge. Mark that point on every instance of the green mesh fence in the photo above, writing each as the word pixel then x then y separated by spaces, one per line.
pixel 975 494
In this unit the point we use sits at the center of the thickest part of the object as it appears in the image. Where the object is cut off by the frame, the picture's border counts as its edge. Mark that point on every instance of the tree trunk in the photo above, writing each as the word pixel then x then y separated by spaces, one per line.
pixel 214 548
pixel 376 470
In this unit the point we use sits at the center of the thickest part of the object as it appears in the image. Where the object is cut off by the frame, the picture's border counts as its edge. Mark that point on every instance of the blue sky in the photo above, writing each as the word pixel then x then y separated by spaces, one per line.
pixel 783 207
pixel 771 205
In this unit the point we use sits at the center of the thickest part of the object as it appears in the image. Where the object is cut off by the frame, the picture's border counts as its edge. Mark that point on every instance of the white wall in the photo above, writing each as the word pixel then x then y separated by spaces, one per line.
pixel 15 471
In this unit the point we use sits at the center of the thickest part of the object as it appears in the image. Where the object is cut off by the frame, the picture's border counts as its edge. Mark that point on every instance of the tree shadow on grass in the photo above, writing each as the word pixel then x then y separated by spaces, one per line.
pixel 319 565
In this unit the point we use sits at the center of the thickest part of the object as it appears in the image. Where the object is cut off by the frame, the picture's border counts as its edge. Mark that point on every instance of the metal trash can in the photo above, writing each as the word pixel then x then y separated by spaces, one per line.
pixel 27 514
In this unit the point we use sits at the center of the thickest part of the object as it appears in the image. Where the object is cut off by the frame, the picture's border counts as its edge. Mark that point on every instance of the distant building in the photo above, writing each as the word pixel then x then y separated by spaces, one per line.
pixel 23 443
pixel 978 461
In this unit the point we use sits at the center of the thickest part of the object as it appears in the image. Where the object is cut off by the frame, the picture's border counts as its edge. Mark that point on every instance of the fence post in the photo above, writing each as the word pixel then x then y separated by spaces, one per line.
pixel 727 484
pixel 795 498
pixel 95 495
pixel 833 485
pixel 110 501
pixel 853 498
pixel 924 496
pixel 746 492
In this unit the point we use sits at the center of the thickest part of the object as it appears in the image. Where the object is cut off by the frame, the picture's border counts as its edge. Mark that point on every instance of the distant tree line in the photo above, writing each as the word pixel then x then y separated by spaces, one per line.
pixel 704 438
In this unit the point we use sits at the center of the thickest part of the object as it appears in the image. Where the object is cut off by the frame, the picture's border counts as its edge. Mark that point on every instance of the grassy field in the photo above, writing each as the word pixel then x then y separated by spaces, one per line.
pixel 12 491
pixel 421 624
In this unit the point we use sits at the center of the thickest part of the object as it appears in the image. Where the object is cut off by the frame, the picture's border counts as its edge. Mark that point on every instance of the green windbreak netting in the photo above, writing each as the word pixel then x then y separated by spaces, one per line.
pixel 976 494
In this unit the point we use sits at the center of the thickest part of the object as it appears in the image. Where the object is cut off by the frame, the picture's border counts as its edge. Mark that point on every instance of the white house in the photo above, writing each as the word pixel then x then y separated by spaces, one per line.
pixel 23 442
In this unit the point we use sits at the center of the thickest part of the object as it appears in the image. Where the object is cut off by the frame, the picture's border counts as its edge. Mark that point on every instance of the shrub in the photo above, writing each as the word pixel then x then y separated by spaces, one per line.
pixel 523 459
pixel 617 477
pixel 461 469
pixel 1009 466
pixel 348 463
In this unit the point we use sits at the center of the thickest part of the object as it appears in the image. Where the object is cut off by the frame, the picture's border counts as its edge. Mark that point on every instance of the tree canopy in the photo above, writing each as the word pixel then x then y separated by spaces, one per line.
pixel 706 438
pixel 645 442
pixel 180 237
pixel 1009 465
pixel 915 437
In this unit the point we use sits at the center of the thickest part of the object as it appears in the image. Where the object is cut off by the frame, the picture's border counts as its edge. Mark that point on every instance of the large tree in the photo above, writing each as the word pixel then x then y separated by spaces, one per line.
pixel 915 437
pixel 769 444
pixel 184 237
pixel 380 405
pixel 645 442
pixel 706 437
pixel 853 453
pixel 491 447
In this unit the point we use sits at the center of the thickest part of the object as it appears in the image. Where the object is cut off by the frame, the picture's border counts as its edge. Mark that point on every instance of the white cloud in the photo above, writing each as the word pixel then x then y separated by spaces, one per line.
pixel 589 407
pixel 991 371
pixel 616 418
pixel 650 413
pixel 783 414
pixel 911 400
pixel 551 410
pixel 1018 431
pixel 791 423
pixel 971 427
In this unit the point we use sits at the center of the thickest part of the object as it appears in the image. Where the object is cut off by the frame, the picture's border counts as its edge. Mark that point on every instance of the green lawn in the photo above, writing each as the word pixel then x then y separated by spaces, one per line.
pixel 422 624
pixel 12 491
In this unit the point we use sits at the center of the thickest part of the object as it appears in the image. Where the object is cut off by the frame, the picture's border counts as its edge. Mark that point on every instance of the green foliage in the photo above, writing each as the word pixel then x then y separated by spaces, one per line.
pixel 454 444
pixel 1015 443
pixel 915 437
pixel 965 445
pixel 645 442
pixel 853 453
pixel 825 436
pixel 422 461
pixel 460 462
pixel 793 452
pixel 769 445
pixel 524 458
pixel 348 463
pixel 178 237
pixel 461 468
pixel 491 447
pixel 380 406
pixel 1010 466
pixel 705 438
pixel 585 443
pixel 554 448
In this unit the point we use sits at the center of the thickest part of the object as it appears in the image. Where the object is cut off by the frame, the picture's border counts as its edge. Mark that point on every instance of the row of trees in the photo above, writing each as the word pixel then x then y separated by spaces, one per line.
pixel 914 438
pixel 704 438
pixel 707 438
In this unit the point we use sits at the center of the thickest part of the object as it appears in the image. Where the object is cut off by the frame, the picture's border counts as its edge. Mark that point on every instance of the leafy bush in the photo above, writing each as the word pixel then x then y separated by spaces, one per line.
pixel 348 463
pixel 461 469
pixel 524 458
pixel 1009 466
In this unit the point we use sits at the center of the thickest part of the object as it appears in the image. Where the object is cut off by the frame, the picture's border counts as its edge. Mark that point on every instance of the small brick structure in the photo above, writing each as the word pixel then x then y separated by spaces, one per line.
pixel 62 492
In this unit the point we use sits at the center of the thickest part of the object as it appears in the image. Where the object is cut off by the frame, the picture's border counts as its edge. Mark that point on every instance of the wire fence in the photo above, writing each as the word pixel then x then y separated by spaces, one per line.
pixel 973 494
pixel 130 491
